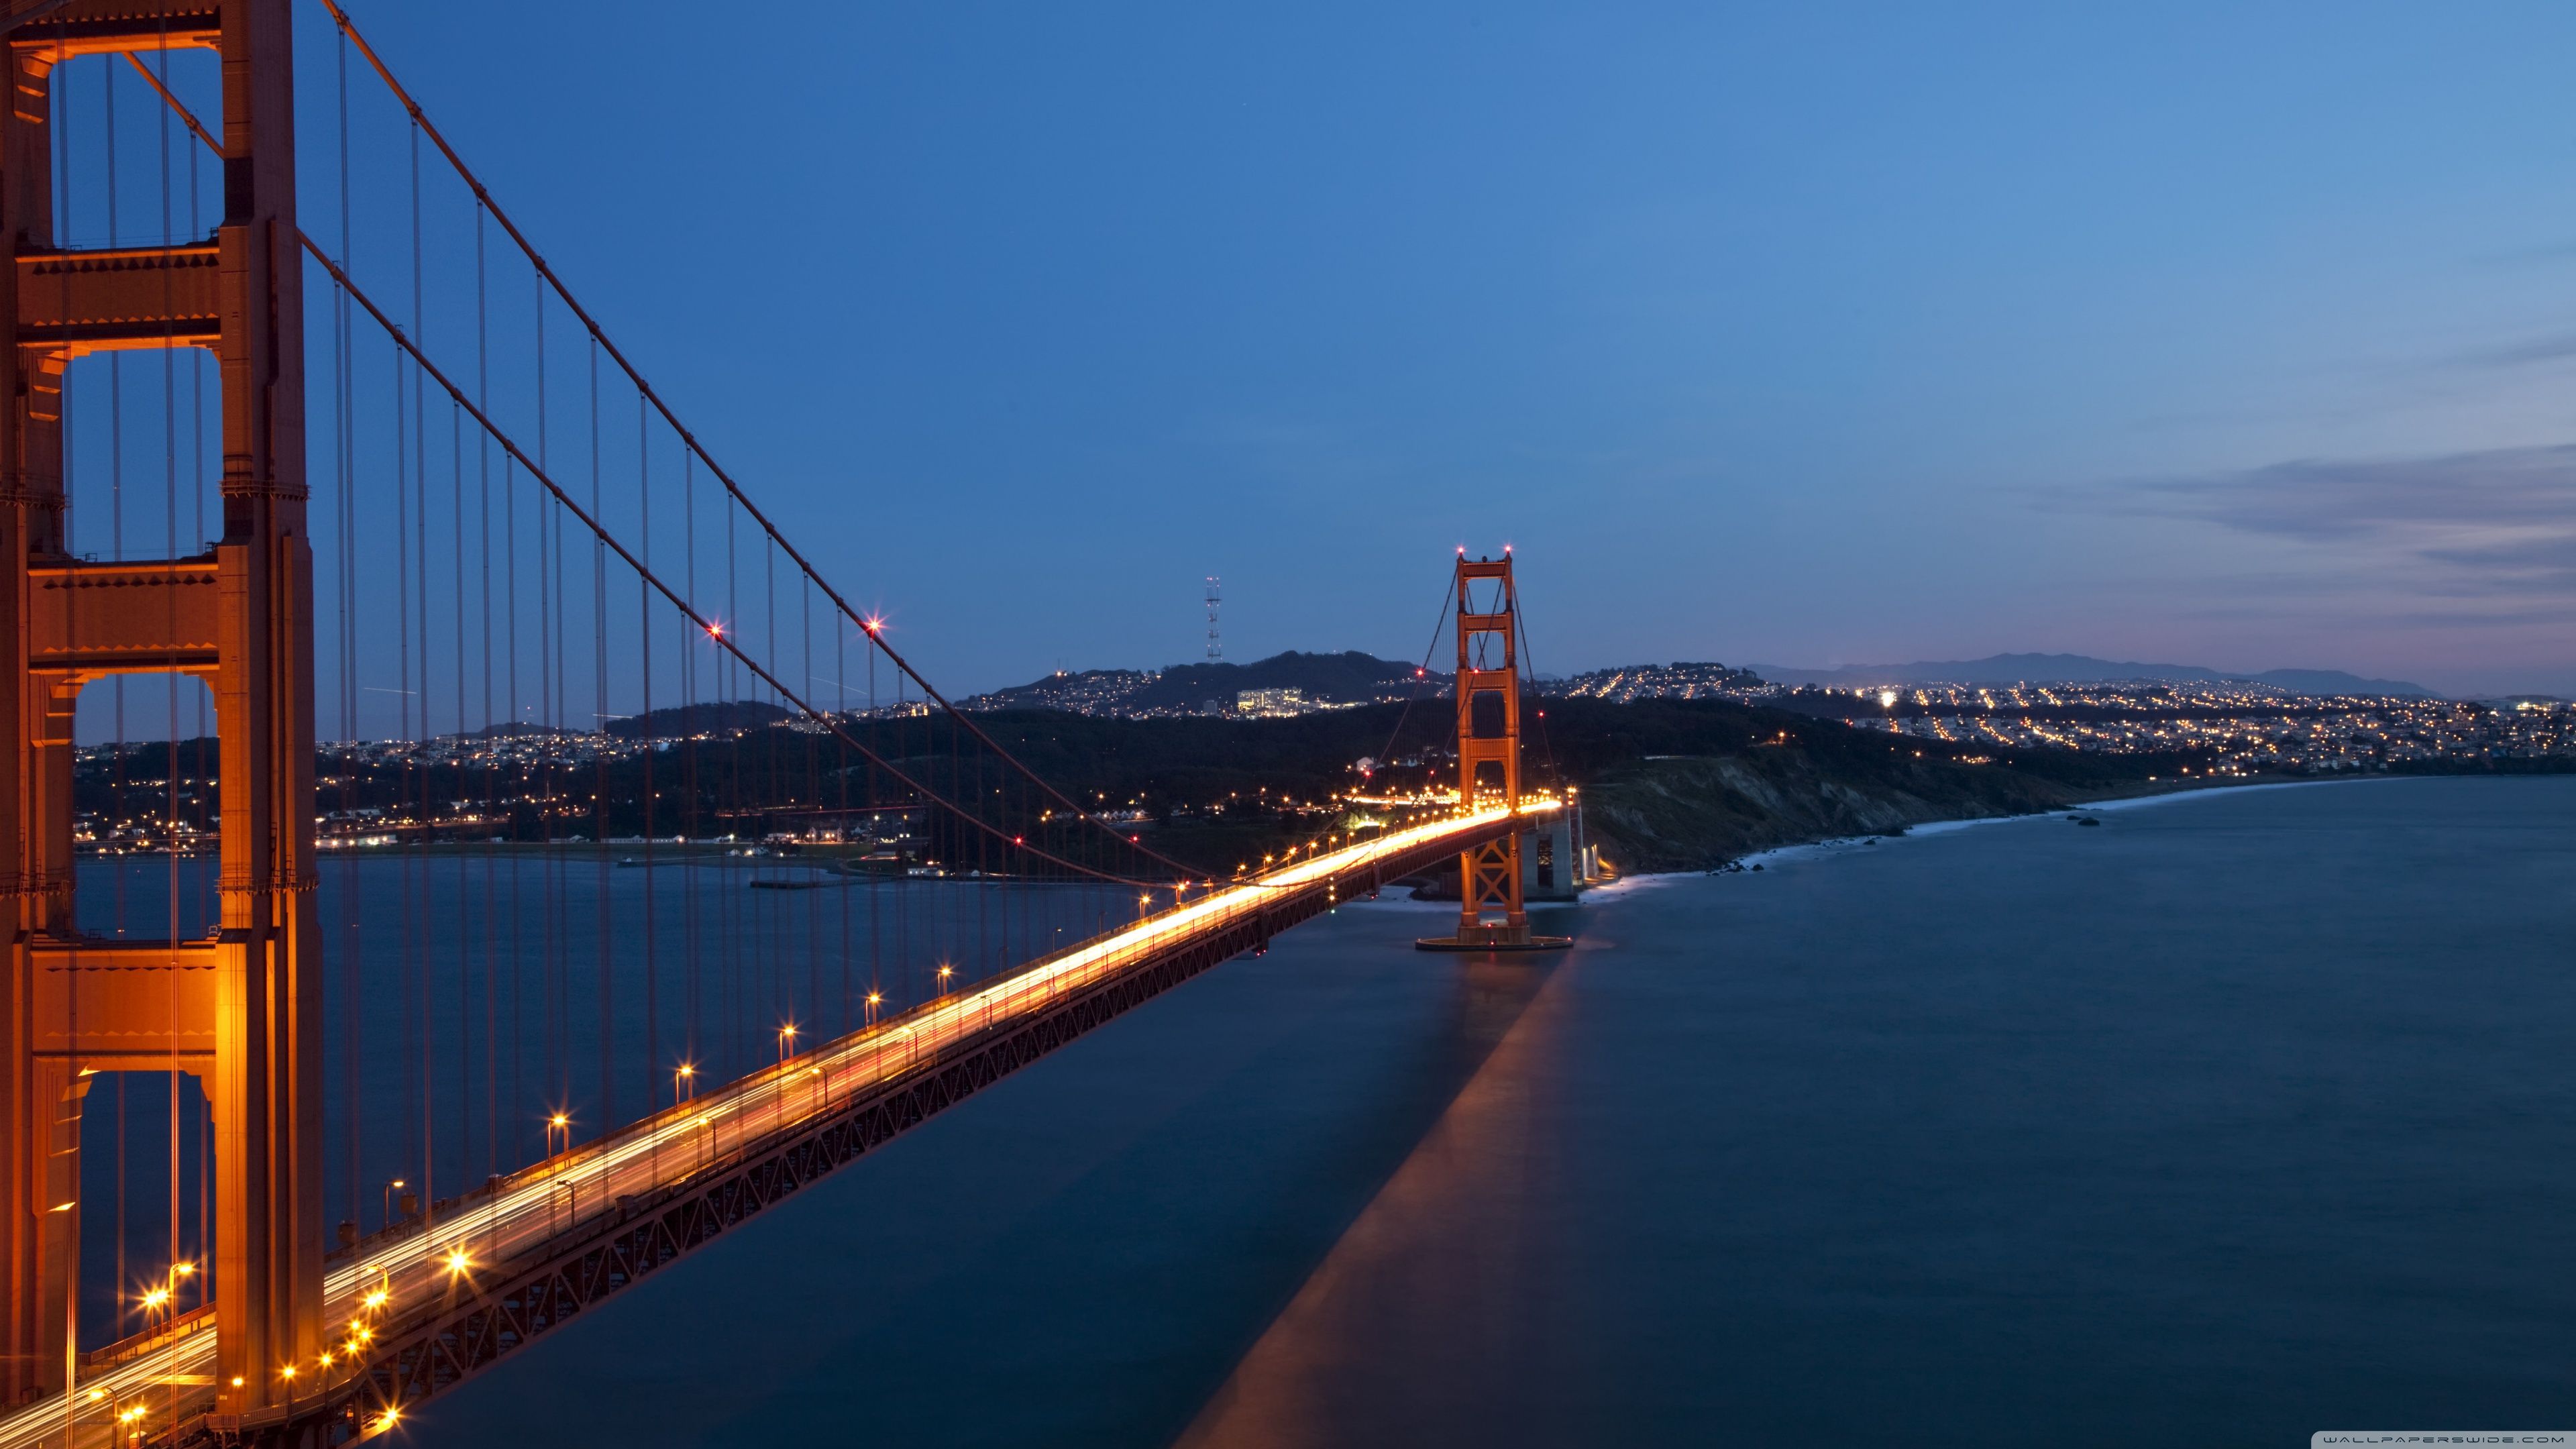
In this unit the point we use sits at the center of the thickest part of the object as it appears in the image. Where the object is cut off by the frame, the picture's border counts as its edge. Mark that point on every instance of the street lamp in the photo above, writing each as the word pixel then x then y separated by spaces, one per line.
pixel 944 973
pixel 391 1187
pixel 684 1081
pixel 786 1041
pixel 558 1124
pixel 875 1000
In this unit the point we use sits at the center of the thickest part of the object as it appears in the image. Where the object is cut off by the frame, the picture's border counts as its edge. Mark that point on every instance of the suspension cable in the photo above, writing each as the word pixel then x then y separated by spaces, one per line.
pixel 875 633
pixel 713 630
pixel 870 627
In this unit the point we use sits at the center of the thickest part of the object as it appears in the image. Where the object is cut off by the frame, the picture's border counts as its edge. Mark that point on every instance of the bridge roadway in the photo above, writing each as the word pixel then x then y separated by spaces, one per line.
pixel 556 1213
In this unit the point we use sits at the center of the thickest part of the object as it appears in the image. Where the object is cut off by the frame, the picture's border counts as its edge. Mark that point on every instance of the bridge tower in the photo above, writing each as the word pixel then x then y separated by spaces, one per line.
pixel 1491 916
pixel 241 1010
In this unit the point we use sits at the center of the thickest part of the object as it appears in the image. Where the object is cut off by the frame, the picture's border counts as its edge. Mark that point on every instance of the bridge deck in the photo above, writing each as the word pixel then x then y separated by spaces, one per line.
pixel 549 1241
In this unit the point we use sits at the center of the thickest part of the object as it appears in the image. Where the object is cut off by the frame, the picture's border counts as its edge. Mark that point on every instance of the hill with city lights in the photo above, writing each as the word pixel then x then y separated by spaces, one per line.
pixel 1679 765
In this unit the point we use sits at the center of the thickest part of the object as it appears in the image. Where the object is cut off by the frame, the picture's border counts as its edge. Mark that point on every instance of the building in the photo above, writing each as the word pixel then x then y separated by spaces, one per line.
pixel 1270 703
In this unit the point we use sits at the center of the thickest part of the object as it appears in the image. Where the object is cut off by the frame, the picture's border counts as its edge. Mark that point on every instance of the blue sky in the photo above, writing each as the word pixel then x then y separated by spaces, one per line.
pixel 1799 334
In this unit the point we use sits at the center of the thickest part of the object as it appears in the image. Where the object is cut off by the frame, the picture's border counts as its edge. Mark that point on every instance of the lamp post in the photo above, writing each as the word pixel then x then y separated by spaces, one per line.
pixel 875 1000
pixel 391 1187
pixel 684 1081
pixel 787 1041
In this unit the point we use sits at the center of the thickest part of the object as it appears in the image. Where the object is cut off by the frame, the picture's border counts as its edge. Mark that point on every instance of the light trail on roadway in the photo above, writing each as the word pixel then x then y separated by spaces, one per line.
pixel 434 1268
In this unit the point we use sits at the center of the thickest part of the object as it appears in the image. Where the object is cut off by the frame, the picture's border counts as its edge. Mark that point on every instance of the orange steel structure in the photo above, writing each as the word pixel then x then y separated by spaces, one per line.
pixel 1490 912
pixel 242 1010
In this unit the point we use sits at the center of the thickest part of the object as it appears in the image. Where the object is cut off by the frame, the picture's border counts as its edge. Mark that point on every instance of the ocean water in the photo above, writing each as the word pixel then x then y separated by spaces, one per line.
pixel 2240 1116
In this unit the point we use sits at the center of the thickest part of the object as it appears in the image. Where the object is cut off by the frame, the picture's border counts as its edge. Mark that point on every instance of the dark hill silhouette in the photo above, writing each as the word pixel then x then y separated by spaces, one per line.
pixel 1350 677
pixel 689 719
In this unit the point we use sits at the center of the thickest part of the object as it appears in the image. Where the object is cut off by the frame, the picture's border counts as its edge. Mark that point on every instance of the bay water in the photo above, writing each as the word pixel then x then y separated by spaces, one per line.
pixel 2237 1116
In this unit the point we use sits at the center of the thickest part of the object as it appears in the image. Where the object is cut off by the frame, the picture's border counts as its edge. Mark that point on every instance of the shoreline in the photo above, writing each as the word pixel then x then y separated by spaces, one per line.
pixel 1838 844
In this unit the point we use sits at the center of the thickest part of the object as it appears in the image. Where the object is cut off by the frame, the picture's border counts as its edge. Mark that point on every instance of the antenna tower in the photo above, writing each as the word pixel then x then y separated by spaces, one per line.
pixel 1216 651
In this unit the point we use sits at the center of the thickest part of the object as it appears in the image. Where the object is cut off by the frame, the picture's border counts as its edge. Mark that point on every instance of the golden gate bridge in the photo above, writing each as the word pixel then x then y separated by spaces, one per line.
pixel 462 1025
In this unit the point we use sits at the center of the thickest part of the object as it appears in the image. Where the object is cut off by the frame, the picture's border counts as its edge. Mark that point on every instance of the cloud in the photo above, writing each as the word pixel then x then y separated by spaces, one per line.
pixel 2496 524
pixel 2550 348
pixel 2501 488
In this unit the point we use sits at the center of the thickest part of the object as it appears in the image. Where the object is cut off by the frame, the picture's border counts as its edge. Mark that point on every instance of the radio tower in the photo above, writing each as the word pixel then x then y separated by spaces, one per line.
pixel 1216 651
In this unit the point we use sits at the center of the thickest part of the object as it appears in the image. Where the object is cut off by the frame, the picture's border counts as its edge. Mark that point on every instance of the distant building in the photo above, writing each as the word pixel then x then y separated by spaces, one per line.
pixel 1270 703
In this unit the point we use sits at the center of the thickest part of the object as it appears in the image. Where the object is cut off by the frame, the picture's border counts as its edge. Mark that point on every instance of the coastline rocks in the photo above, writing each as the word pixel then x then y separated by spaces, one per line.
pixel 1702 812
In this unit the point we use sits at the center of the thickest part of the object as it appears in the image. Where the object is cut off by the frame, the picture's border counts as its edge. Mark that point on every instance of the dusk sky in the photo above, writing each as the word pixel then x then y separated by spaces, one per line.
pixel 1797 334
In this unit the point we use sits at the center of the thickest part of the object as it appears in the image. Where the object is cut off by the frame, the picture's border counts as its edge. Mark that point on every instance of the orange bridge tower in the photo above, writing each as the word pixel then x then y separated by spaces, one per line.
pixel 241 1009
pixel 1491 915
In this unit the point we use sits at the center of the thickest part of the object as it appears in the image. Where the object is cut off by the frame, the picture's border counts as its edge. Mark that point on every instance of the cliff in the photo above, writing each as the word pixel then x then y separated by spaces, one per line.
pixel 1691 813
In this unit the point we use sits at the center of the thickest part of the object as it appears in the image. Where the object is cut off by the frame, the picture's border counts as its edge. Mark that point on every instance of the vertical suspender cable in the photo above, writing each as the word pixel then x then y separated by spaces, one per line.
pixel 599 691
pixel 344 410
pixel 488 770
pixel 426 818
pixel 646 731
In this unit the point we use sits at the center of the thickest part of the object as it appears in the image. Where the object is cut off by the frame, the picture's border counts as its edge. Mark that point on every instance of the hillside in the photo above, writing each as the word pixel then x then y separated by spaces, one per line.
pixel 1350 677
pixel 1666 784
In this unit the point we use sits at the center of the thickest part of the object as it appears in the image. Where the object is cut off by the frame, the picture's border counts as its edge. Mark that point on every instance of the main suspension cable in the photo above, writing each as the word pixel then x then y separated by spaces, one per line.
pixel 426 368
pixel 875 633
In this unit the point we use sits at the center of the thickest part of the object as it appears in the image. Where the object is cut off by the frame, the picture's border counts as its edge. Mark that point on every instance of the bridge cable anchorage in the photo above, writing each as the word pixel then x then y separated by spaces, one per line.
pixel 420 126
pixel 423 366
pixel 420 118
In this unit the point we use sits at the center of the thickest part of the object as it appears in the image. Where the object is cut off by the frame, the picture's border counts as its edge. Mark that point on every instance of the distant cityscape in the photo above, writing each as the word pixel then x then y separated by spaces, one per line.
pixel 503 775
pixel 2242 724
